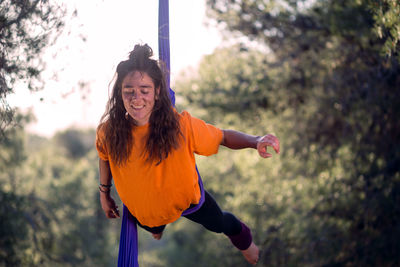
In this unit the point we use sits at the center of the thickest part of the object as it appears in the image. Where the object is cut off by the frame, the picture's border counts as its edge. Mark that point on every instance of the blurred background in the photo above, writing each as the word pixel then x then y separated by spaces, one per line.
pixel 322 75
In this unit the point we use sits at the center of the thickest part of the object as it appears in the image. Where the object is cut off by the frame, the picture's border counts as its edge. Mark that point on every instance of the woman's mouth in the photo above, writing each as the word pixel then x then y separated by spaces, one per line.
pixel 137 106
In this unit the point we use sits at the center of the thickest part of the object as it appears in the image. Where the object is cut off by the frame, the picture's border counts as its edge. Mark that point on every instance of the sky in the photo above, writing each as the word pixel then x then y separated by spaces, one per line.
pixel 81 65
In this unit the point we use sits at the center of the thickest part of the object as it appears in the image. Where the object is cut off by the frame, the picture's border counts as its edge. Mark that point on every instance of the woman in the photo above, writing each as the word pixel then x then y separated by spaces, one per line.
pixel 148 148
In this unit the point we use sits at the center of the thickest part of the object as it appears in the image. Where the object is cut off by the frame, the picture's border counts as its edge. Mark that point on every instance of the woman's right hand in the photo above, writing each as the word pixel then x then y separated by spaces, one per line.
pixel 108 205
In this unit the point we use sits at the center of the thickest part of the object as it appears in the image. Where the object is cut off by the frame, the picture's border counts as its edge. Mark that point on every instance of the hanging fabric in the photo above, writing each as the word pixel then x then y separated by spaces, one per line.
pixel 164 55
pixel 128 244
pixel 163 43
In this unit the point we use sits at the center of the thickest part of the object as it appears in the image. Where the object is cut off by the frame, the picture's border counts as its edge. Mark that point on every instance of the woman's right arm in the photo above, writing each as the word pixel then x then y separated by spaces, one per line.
pixel 107 202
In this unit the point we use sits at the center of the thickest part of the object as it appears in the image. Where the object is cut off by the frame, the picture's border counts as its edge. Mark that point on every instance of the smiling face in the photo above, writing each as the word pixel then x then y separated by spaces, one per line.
pixel 139 95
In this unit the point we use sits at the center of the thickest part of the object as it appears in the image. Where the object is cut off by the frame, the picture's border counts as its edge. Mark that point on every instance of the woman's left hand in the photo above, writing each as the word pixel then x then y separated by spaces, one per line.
pixel 264 142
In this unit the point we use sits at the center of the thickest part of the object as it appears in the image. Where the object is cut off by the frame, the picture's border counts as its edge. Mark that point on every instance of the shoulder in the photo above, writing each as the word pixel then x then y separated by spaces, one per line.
pixel 184 115
pixel 101 144
pixel 103 131
pixel 102 128
pixel 204 138
pixel 195 124
pixel 186 120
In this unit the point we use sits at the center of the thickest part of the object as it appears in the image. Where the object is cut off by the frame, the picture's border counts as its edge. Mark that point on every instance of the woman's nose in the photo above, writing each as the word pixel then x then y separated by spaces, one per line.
pixel 134 95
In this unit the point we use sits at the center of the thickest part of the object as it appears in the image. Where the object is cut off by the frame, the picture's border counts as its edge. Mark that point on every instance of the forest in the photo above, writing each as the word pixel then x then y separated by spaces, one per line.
pixel 321 75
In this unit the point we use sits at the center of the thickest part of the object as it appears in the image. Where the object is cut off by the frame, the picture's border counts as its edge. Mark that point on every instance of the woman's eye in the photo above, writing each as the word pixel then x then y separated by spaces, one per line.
pixel 145 92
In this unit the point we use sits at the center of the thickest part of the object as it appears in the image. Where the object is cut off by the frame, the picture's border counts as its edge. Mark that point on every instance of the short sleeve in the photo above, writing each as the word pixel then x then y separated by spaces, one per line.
pixel 101 144
pixel 206 138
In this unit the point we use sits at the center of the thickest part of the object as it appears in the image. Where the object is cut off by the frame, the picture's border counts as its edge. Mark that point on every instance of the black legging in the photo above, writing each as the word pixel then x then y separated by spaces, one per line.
pixel 211 217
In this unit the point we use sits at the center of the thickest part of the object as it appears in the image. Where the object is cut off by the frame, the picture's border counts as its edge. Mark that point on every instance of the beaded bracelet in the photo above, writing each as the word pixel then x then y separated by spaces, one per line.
pixel 106 185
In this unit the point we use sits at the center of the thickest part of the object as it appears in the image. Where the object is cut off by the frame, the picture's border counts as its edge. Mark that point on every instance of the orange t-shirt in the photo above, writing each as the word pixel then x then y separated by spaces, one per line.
pixel 158 194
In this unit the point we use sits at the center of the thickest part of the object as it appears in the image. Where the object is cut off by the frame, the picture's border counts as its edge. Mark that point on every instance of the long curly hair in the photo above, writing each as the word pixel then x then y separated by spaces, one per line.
pixel 164 129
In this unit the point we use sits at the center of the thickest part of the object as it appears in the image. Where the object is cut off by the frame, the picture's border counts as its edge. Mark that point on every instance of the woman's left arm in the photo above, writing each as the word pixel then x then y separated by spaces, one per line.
pixel 238 140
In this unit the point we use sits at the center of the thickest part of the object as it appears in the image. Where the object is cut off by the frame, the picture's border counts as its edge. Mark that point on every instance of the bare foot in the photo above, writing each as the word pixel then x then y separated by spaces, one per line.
pixel 157 236
pixel 251 254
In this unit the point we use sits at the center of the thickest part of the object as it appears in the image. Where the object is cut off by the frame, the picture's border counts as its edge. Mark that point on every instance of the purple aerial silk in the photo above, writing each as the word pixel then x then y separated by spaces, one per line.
pixel 128 244
pixel 163 43
pixel 198 206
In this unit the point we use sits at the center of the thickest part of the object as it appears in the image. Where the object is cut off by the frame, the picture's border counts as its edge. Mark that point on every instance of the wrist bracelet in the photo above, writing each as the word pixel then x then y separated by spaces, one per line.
pixel 104 191
pixel 106 185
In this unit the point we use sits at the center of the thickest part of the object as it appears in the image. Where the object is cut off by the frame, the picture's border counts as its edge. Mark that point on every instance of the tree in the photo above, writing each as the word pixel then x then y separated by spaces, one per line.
pixel 336 85
pixel 75 142
pixel 386 15
pixel 273 22
pixel 50 212
pixel 237 87
pixel 26 29
pixel 14 227
pixel 240 94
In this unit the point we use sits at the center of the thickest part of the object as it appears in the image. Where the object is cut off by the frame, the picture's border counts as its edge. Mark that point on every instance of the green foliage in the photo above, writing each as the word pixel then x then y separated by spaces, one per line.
pixel 26 29
pixel 76 143
pixel 50 212
pixel 323 76
pixel 13 230
pixel 236 88
pixel 386 15
pixel 325 83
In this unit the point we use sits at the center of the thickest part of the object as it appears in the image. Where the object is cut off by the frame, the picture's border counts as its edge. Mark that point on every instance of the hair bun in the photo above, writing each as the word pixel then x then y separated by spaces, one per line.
pixel 141 52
